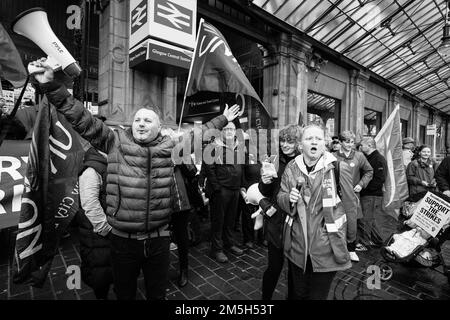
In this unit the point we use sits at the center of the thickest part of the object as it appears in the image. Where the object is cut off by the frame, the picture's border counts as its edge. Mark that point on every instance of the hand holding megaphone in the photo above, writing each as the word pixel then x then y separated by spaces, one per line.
pixel 42 70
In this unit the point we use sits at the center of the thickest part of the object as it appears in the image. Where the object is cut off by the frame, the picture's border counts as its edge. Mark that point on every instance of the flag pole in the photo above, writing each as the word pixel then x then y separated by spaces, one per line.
pixel 190 73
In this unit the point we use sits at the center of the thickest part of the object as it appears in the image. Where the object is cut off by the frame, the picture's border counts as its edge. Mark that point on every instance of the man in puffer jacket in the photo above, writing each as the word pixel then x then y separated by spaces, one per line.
pixel 95 251
pixel 139 186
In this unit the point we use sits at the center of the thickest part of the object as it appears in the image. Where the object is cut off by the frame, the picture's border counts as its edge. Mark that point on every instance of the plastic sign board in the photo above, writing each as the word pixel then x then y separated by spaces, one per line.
pixel 431 130
pixel 171 21
pixel 431 214
pixel 160 52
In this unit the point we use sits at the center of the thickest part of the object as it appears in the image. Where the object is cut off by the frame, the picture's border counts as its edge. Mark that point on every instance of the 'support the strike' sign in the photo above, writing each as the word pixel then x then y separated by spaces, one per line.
pixel 431 214
pixel 13 160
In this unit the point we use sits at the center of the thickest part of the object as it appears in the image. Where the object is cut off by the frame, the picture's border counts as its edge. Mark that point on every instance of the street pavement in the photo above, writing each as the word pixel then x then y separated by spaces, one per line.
pixel 239 279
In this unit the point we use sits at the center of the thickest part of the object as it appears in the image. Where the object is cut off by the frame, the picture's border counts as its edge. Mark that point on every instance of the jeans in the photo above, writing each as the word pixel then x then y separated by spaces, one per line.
pixel 129 256
pixel 377 225
pixel 224 205
pixel 309 285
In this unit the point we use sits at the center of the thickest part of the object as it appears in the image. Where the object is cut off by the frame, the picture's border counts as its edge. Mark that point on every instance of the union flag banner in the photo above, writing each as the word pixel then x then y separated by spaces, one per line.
pixel 215 79
pixel 389 144
pixel 50 199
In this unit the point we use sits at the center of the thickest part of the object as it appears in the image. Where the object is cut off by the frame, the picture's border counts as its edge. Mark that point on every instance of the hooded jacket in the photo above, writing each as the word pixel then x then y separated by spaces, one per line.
pixel 308 234
pixel 140 176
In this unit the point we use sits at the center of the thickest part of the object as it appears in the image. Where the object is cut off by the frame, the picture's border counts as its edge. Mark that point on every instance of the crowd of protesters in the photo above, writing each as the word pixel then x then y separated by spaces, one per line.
pixel 324 203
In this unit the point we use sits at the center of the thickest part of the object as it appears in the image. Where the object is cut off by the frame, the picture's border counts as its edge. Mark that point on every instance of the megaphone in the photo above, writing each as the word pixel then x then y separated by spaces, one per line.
pixel 33 24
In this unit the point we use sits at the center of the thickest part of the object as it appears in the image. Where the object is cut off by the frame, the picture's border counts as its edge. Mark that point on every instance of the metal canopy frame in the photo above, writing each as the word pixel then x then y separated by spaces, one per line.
pixel 395 39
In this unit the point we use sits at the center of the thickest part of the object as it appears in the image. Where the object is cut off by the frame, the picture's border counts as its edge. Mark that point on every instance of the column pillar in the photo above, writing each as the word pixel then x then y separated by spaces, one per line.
pixel 285 79
pixel 354 119
pixel 122 90
pixel 415 132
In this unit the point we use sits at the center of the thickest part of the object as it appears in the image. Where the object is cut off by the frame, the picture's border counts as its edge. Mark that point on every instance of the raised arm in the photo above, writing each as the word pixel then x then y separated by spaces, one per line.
pixel 90 128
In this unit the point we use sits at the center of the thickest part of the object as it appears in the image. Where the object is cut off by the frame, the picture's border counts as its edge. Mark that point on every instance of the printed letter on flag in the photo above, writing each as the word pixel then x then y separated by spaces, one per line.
pixel 50 198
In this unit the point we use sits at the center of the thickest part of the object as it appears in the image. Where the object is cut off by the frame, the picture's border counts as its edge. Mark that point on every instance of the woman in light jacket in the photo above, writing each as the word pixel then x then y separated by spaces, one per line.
pixel 420 172
pixel 315 228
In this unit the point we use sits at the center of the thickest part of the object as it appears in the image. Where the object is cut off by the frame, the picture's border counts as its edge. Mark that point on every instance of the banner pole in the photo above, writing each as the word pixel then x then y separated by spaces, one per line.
pixel 190 73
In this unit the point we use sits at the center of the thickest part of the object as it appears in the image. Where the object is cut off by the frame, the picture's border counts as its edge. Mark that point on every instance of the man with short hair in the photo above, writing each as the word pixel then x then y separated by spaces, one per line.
pixel 408 146
pixel 376 225
pixel 355 175
pixel 224 181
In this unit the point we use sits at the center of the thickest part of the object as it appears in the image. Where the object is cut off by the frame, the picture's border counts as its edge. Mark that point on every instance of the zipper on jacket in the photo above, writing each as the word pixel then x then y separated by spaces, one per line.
pixel 149 169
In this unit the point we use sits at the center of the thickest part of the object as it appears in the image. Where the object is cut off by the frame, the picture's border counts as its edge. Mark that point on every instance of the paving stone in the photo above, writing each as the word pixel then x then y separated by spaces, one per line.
pixel 67 295
pixel 195 278
pixel 177 295
pixel 224 274
pixel 47 295
pixel 208 290
pixel 190 291
pixel 237 295
pixel 22 296
pixel 89 295
pixel 204 272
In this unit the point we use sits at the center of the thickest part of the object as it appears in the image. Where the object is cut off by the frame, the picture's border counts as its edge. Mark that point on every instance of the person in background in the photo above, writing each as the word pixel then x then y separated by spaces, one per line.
pixel 335 144
pixel 224 179
pixel 355 175
pixel 95 251
pixel 420 172
pixel 408 146
pixel 442 176
pixel 273 214
pixel 376 225
pixel 315 228
pixel 184 175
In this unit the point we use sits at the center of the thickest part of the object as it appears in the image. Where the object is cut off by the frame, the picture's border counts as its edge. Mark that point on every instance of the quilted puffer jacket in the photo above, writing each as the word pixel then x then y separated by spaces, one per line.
pixel 140 176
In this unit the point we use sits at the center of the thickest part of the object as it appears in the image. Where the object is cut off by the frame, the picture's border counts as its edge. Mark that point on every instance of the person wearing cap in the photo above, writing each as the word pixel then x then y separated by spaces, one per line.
pixel 408 150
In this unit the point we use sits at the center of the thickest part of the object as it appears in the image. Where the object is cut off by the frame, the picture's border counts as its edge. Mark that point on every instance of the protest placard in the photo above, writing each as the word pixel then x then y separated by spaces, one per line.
pixel 431 214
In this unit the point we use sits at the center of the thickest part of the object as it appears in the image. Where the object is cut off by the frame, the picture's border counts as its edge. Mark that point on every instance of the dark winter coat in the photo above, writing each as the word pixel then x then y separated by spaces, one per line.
pixel 418 171
pixel 273 226
pixel 379 166
pixel 140 176
pixel 442 175
pixel 224 172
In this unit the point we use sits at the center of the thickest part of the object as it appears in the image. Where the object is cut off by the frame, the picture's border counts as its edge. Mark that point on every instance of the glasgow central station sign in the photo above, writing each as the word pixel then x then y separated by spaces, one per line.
pixel 162 31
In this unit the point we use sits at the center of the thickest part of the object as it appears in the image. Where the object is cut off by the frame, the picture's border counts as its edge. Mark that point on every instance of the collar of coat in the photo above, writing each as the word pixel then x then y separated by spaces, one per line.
pixel 324 162
pixel 350 155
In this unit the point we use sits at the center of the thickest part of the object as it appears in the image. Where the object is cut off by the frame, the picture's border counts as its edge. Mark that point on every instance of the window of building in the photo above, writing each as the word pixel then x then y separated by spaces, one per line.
pixel 324 111
pixel 422 134
pixel 372 122
pixel 404 124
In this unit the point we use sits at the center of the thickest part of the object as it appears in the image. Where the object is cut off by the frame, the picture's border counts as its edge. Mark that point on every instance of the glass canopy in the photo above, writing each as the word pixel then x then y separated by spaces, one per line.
pixel 397 39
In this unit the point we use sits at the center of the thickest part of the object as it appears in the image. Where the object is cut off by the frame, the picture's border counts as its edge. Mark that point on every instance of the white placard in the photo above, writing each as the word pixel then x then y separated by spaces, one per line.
pixel 431 214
